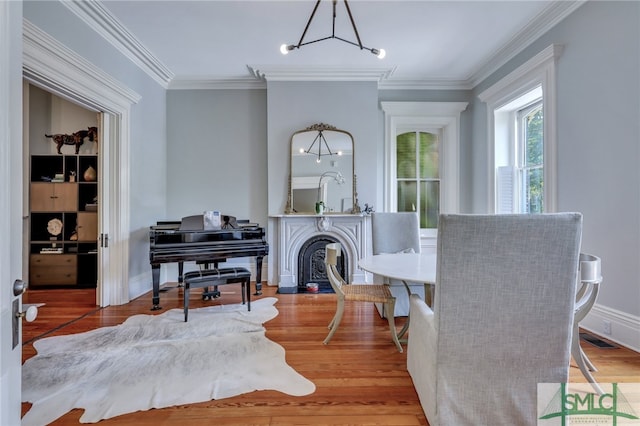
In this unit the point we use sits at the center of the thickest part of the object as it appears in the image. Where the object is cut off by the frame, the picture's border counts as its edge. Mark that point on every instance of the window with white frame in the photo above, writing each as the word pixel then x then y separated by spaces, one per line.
pixel 522 137
pixel 421 160
pixel 418 175
pixel 530 149
pixel 520 154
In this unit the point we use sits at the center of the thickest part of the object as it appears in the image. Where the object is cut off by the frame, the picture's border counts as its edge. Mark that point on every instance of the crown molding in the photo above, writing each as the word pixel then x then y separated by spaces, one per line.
pixel 48 62
pixel 211 83
pixel 111 29
pixel 546 20
pixel 416 84
pixel 280 73
pixel 93 13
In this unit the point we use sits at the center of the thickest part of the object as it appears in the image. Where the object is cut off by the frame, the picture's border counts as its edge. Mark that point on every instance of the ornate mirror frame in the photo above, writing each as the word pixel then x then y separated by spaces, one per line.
pixel 329 145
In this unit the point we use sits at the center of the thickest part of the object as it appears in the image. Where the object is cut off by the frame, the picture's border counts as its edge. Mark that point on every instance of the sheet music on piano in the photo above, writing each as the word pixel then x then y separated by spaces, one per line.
pixel 188 240
pixel 211 220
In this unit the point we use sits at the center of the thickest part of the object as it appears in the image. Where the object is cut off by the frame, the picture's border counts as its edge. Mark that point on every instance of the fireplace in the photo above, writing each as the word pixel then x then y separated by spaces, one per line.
pixel 311 267
pixel 292 235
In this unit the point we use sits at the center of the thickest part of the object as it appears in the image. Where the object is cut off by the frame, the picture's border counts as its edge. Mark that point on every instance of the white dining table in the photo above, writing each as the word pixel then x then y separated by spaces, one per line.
pixel 406 267
pixel 415 267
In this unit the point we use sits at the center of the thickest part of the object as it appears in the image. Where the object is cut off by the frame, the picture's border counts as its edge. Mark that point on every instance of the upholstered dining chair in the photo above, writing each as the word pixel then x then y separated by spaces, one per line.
pixel 502 317
pixel 397 232
pixel 355 292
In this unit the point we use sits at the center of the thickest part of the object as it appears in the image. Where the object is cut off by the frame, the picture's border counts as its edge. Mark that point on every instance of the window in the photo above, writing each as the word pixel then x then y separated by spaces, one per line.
pixel 520 155
pixel 421 164
pixel 418 176
pixel 521 137
pixel 530 147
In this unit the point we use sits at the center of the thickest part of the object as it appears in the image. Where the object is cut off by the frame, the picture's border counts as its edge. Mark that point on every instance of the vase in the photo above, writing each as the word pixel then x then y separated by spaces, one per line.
pixel 90 174
pixel 319 207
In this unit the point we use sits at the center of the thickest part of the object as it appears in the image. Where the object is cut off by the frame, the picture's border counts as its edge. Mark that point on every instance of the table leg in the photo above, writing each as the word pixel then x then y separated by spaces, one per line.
pixel 428 294
pixel 406 325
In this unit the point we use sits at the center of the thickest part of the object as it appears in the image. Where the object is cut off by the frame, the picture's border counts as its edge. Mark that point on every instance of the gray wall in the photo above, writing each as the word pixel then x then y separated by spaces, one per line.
pixel 350 106
pixel 216 153
pixel 598 139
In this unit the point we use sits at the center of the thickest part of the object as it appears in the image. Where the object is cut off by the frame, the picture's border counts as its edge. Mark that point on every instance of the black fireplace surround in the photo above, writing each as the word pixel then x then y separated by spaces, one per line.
pixel 311 267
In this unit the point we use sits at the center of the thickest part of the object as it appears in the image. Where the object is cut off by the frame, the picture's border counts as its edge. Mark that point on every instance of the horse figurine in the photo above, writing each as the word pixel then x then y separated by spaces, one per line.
pixel 76 138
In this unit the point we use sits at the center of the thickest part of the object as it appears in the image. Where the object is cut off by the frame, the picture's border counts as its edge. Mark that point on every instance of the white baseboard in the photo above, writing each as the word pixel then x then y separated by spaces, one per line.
pixel 625 328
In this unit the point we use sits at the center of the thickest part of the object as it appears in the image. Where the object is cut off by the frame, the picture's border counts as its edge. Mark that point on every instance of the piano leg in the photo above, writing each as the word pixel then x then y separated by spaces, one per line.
pixel 155 274
pixel 258 276
pixel 180 273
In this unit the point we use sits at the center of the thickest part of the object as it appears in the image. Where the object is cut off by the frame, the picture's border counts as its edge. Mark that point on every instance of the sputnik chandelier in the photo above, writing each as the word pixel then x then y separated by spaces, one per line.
pixel 286 48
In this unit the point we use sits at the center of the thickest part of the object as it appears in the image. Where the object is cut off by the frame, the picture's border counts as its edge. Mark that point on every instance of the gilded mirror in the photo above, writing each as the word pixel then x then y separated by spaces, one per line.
pixel 321 165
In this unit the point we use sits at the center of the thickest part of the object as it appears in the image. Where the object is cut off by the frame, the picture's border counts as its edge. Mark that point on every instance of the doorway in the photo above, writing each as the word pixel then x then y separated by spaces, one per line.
pixel 62 263
pixel 50 66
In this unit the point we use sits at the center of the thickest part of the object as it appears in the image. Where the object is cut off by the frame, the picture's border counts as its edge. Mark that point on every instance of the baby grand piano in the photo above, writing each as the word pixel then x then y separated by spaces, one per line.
pixel 188 240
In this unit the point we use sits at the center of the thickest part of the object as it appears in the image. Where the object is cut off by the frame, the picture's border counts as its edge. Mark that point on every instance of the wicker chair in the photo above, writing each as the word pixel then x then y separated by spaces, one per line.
pixel 359 293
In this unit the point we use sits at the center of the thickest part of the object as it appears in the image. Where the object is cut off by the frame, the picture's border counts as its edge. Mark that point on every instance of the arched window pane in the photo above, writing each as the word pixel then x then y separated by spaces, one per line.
pixel 429 156
pixel 406 155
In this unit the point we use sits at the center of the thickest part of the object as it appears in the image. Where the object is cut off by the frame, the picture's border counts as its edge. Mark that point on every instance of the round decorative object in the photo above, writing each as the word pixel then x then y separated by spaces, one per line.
pixel 90 174
pixel 54 227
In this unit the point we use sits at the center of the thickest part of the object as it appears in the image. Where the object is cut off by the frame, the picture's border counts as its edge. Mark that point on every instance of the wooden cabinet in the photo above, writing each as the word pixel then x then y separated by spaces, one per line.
pixel 54 197
pixel 53 269
pixel 87 226
pixel 64 221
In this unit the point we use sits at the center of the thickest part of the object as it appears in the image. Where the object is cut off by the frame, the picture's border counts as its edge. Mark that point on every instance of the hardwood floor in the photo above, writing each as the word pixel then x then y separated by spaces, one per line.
pixel 360 377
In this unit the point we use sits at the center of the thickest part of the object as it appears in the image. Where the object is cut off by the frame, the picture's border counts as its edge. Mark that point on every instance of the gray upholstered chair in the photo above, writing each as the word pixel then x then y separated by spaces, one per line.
pixel 396 232
pixel 502 317
pixel 356 293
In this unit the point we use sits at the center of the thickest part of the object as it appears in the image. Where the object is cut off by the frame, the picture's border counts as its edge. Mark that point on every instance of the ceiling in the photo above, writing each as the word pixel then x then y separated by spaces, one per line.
pixel 445 44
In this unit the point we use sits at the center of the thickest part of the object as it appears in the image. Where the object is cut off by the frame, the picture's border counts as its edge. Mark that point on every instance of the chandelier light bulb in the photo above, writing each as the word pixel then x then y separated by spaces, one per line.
pixel 318 160
pixel 380 53
pixel 284 49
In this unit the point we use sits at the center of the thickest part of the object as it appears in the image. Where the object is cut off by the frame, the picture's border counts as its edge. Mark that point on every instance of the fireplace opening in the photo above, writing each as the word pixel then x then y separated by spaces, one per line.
pixel 311 267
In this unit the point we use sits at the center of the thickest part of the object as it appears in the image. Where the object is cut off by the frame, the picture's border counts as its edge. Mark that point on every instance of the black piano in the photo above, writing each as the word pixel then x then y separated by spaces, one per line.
pixel 188 240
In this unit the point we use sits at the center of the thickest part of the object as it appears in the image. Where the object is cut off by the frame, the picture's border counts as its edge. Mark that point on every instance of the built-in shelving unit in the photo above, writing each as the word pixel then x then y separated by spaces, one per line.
pixel 60 195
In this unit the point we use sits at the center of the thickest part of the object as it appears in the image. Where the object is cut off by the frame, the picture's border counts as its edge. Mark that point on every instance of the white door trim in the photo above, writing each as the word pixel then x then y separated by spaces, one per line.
pixel 52 66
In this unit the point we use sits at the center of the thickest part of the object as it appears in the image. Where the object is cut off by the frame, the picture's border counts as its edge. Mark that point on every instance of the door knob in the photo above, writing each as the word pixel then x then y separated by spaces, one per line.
pixel 19 287
pixel 29 315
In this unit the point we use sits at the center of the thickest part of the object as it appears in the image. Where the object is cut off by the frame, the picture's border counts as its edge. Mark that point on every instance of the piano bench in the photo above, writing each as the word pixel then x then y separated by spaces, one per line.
pixel 216 277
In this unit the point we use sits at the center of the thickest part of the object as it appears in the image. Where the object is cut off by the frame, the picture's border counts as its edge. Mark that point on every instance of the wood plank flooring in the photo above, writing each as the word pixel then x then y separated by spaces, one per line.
pixel 360 377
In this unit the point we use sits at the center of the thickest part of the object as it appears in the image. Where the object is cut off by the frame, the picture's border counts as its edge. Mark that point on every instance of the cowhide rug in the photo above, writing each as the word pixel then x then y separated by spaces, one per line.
pixel 155 361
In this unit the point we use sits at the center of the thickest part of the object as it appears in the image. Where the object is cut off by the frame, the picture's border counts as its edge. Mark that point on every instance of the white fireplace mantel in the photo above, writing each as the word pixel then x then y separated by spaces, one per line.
pixel 290 232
